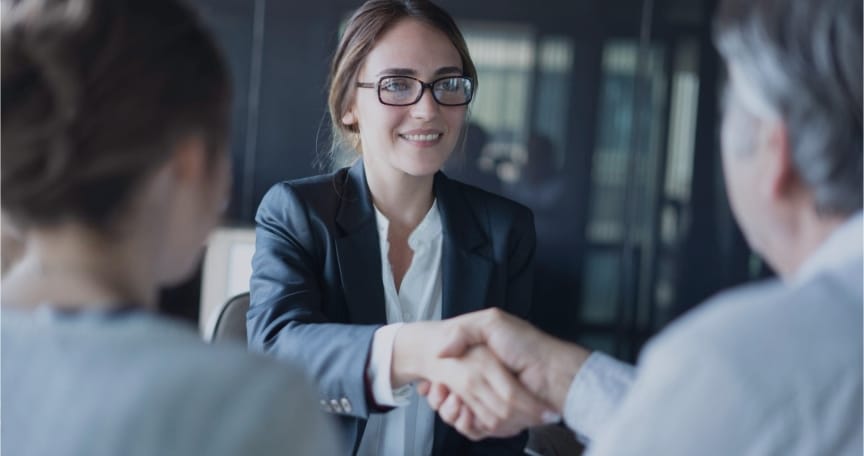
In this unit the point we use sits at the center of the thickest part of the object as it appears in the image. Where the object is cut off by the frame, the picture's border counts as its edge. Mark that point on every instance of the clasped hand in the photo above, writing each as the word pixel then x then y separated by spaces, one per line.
pixel 487 373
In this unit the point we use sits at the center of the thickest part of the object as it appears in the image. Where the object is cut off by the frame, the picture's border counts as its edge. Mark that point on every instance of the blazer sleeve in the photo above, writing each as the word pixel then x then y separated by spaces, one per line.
pixel 520 264
pixel 286 317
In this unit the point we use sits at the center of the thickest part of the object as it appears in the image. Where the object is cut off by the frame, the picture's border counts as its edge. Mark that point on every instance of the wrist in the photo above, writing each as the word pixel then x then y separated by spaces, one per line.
pixel 407 364
pixel 563 363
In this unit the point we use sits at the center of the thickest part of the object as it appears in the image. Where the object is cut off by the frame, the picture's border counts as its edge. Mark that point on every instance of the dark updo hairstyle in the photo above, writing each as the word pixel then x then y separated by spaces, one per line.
pixel 95 95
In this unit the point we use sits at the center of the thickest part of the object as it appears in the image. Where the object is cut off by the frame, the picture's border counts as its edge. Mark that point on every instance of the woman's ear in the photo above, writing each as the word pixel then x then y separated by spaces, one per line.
pixel 349 118
pixel 190 158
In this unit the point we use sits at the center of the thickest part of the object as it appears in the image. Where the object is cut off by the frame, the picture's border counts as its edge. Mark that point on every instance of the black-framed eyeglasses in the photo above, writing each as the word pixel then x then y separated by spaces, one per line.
pixel 405 90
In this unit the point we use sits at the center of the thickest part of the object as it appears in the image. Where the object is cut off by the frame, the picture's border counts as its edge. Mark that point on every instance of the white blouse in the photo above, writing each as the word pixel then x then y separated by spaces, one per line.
pixel 407 429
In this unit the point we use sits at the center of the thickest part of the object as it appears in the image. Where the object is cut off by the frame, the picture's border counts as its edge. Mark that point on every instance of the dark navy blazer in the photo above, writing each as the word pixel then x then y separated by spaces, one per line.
pixel 317 296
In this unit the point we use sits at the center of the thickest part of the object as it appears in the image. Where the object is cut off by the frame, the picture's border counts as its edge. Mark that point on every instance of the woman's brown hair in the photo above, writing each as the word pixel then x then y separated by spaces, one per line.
pixel 363 30
pixel 95 95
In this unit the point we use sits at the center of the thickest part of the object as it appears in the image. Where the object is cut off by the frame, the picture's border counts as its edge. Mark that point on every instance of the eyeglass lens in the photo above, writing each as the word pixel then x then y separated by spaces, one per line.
pixel 400 90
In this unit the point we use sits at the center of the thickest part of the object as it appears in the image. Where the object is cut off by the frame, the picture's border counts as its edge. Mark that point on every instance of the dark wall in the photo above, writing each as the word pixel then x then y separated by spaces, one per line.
pixel 279 56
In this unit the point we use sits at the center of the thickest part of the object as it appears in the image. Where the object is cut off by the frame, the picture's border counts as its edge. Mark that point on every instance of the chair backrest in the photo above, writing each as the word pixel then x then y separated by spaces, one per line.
pixel 226 272
pixel 231 323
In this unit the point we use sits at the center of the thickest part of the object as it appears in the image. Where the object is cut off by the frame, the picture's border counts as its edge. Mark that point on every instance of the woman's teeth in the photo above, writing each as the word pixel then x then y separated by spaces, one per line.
pixel 431 137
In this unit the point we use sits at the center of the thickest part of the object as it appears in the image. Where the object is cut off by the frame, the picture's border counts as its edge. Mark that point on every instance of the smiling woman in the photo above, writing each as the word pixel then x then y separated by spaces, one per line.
pixel 352 269
pixel 405 133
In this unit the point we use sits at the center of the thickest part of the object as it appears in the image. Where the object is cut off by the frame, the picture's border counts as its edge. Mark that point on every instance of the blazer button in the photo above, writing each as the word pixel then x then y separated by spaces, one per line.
pixel 326 406
pixel 346 405
pixel 334 404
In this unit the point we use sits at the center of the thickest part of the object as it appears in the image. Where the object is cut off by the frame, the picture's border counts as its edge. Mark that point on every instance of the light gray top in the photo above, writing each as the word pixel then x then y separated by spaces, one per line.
pixel 767 369
pixel 132 383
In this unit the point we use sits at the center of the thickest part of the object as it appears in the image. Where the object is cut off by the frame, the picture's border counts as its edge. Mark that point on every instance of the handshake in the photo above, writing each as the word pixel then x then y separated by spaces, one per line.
pixel 487 373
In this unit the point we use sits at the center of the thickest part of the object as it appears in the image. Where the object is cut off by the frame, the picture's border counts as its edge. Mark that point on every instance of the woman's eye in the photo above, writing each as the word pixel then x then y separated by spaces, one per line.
pixel 450 85
pixel 395 85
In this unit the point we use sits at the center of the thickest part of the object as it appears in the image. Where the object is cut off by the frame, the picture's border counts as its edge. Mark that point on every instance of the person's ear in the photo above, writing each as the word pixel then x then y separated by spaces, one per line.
pixel 349 118
pixel 781 177
pixel 189 158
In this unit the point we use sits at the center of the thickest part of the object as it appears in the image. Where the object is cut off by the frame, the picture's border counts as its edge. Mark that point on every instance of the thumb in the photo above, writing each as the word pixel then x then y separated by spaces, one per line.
pixel 460 336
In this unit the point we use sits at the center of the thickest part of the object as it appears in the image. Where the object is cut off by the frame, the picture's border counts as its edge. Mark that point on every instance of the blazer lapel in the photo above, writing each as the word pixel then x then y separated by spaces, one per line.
pixel 359 251
pixel 466 264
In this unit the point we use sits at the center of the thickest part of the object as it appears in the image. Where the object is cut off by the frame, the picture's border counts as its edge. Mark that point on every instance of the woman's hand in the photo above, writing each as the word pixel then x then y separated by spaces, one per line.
pixel 543 365
pixel 483 397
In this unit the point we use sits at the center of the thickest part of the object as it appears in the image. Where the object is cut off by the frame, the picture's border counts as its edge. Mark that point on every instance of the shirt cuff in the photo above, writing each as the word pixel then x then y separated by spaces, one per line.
pixel 597 389
pixel 378 370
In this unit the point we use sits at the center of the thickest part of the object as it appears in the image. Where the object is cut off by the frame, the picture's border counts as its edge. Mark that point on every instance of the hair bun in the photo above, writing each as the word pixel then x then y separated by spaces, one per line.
pixel 38 105
pixel 84 111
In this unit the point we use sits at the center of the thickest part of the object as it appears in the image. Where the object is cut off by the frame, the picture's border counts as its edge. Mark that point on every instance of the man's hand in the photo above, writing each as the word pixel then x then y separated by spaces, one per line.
pixel 544 365
pixel 499 404
pixel 493 399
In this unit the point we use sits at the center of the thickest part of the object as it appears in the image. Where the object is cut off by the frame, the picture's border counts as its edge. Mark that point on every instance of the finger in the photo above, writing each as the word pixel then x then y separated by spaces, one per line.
pixel 482 404
pixel 463 332
pixel 458 339
pixel 518 405
pixel 465 425
pixel 454 406
pixel 449 410
pixel 469 387
pixel 464 379
pixel 437 395
pixel 504 398
pixel 486 407
pixel 423 387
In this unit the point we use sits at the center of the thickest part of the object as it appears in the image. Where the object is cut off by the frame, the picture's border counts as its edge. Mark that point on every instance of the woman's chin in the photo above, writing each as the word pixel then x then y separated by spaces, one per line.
pixel 423 166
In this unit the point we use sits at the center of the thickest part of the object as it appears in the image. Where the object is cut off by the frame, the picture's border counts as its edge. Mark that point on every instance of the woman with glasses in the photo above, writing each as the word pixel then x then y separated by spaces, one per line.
pixel 352 269
pixel 115 115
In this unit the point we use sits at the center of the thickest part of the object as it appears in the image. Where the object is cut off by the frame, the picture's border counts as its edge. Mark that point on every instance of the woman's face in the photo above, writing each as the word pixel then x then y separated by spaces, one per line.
pixel 412 140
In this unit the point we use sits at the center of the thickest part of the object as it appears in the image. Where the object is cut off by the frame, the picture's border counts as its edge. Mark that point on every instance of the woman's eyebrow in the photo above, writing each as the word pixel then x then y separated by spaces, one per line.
pixel 448 70
pixel 411 72
pixel 397 72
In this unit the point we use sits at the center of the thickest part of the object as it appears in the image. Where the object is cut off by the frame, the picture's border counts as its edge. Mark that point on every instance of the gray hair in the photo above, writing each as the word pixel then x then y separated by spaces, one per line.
pixel 804 58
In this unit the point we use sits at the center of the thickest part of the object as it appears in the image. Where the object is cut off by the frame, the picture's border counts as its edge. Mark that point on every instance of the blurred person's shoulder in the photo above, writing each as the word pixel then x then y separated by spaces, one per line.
pixel 780 344
pixel 151 383
pixel 776 318
pixel 264 406
pixel 781 362
pixel 178 351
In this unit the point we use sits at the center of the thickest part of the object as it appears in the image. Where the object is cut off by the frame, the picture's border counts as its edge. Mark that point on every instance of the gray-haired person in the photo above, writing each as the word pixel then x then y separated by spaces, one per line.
pixel 772 368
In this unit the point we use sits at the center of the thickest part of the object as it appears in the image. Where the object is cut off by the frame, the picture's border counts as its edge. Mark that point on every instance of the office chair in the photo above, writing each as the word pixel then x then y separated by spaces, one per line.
pixel 231 323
